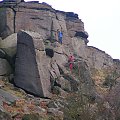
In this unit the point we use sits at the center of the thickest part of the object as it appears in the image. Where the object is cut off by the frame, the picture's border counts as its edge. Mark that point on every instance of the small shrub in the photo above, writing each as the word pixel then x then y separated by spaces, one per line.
pixel 30 117
pixel 4 116
pixel 56 90
pixel 110 80
pixel 77 108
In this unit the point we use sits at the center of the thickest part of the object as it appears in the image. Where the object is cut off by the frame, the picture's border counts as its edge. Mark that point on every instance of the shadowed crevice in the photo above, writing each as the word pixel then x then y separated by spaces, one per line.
pixel 49 52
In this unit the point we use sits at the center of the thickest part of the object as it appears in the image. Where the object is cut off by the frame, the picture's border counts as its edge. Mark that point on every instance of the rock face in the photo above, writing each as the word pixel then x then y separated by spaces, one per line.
pixel 41 61
pixel 100 59
pixel 31 69
pixel 9 44
pixel 32 58
pixel 7 54
pixel 5 68
pixel 39 18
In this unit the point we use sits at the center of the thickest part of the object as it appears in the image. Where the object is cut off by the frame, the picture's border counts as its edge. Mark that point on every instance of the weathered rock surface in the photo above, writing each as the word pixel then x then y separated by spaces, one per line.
pixel 41 66
pixel 100 59
pixel 7 96
pixel 43 19
pixel 9 44
pixel 5 68
pixel 31 68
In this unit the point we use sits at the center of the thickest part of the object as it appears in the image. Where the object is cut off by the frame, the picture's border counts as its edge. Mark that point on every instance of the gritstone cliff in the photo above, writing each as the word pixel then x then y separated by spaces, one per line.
pixel 31 53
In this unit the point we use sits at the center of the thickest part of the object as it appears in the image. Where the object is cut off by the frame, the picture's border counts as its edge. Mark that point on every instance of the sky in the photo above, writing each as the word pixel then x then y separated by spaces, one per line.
pixel 101 20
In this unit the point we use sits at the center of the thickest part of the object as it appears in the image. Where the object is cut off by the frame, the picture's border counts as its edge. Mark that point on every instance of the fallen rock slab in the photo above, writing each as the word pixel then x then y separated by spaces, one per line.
pixel 31 67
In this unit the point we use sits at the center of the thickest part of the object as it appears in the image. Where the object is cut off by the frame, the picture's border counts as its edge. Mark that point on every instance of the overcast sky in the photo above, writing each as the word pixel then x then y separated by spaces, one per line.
pixel 101 19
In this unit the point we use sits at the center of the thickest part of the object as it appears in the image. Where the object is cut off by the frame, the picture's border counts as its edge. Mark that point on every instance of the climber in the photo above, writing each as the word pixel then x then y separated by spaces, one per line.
pixel 60 35
pixel 71 61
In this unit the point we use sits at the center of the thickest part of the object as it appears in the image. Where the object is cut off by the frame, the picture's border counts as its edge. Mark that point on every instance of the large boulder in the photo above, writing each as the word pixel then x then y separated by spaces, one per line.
pixel 9 44
pixel 5 68
pixel 8 49
pixel 31 67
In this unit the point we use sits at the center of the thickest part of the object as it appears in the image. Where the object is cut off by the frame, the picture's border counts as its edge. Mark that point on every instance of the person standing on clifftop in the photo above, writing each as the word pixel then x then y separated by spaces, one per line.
pixel 60 35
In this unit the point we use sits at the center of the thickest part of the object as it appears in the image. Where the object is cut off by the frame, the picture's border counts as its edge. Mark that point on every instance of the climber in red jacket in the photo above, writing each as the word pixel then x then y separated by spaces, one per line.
pixel 71 61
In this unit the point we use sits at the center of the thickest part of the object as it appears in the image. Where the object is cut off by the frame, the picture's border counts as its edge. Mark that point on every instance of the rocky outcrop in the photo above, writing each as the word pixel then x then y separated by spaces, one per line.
pixel 100 59
pixel 31 67
pixel 7 54
pixel 9 44
pixel 43 19
pixel 30 50
pixel 5 68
